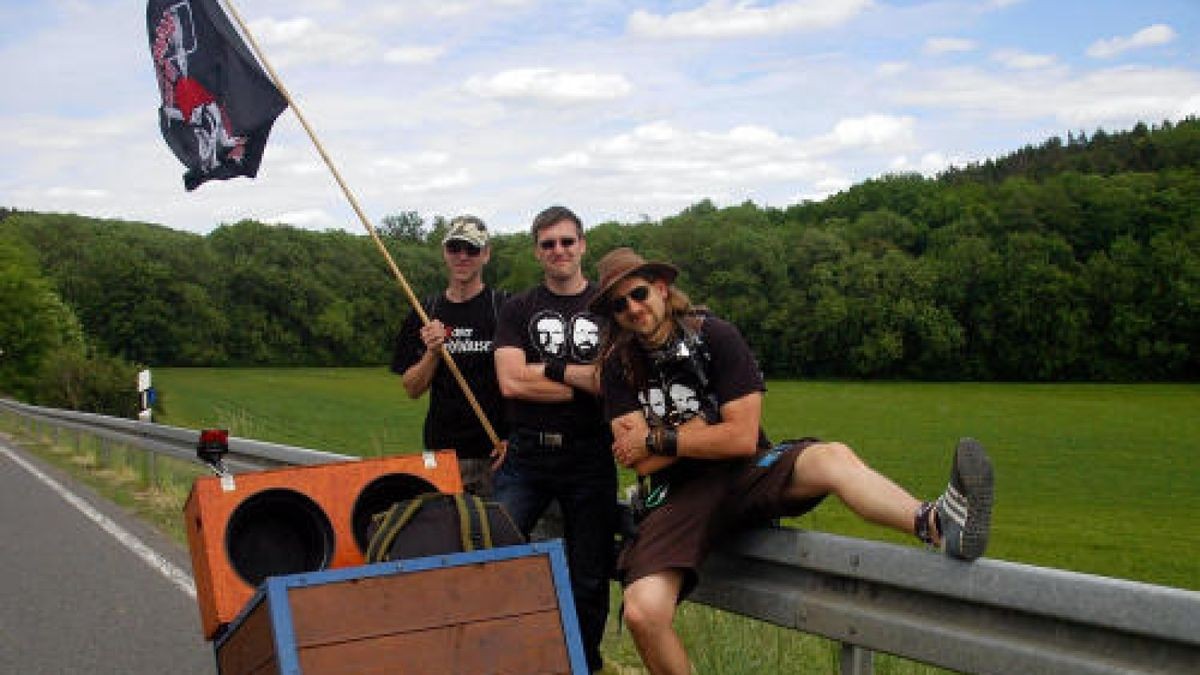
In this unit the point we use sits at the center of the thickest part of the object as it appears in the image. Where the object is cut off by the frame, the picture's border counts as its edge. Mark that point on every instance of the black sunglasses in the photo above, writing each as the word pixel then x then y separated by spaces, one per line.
pixel 621 303
pixel 548 244
pixel 457 246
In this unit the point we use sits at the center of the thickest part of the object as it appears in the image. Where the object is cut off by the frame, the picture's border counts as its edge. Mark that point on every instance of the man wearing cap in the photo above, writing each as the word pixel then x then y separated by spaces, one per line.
pixel 683 394
pixel 559 445
pixel 463 318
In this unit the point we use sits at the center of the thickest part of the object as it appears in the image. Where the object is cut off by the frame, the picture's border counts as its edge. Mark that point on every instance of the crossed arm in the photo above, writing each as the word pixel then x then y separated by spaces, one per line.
pixel 736 435
pixel 528 381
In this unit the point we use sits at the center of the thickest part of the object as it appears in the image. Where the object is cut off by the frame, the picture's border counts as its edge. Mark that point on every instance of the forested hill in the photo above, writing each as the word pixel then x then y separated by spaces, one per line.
pixel 1065 261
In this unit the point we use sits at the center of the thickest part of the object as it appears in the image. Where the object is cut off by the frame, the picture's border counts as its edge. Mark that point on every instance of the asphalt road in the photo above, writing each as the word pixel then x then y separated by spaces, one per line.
pixel 77 596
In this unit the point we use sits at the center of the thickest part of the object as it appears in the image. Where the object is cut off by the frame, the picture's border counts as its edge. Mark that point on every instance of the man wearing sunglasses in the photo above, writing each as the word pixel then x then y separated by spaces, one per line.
pixel 559 445
pixel 463 318
pixel 683 394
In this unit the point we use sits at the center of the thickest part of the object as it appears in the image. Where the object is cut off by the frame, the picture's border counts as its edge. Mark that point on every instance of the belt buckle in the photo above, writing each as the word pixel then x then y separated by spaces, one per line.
pixel 550 440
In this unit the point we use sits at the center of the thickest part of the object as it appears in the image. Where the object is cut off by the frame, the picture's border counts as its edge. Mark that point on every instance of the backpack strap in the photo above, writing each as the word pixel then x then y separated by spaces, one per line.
pixel 498 299
pixel 394 520
pixel 472 522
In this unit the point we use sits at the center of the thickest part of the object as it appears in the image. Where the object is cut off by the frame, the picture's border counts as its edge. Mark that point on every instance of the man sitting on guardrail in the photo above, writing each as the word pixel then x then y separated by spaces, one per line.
pixel 683 395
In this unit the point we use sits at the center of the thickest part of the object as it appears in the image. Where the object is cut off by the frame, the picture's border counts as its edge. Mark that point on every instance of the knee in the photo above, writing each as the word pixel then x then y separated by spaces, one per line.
pixel 823 462
pixel 833 453
pixel 647 616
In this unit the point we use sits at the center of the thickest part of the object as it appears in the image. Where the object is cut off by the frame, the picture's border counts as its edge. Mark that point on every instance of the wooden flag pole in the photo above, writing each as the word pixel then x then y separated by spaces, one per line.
pixel 366 222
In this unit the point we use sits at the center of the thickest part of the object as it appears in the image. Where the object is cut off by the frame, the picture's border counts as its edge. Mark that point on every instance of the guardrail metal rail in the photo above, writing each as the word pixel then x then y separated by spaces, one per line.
pixel 989 616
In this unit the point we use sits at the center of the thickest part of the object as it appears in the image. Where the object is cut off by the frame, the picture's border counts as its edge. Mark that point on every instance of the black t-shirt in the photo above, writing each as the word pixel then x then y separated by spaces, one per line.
pixel 674 393
pixel 545 325
pixel 470 327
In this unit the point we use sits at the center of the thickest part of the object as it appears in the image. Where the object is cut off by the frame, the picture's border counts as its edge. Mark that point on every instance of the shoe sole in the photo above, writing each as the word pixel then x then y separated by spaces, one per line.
pixel 975 474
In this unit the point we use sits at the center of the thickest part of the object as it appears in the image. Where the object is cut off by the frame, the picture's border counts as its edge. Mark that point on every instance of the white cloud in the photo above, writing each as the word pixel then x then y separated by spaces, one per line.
pixel 928 163
pixel 443 181
pixel 728 19
pixel 72 193
pixel 892 68
pixel 879 131
pixel 303 40
pixel 1111 97
pixel 548 84
pixel 947 45
pixel 309 218
pixel 411 55
pixel 1019 60
pixel 1151 36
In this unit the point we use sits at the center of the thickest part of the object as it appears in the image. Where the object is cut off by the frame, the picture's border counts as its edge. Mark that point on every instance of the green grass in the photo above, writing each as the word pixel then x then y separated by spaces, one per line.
pixel 1103 479
pixel 353 411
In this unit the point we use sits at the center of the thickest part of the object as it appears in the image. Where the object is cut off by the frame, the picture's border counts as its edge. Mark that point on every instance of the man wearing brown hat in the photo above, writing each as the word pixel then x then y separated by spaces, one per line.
pixel 559 445
pixel 463 318
pixel 683 394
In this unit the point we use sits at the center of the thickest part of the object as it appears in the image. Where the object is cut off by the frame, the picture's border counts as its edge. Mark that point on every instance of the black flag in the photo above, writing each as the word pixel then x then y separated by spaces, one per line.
pixel 217 103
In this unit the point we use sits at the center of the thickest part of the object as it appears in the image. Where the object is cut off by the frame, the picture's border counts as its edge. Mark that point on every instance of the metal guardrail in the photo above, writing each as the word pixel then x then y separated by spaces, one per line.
pixel 989 616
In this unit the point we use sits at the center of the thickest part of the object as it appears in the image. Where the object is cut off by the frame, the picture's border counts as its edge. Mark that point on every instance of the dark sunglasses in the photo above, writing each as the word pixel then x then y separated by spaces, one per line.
pixel 457 247
pixel 621 303
pixel 548 244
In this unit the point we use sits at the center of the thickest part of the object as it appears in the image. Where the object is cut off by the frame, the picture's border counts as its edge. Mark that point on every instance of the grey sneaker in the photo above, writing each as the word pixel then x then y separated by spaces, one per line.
pixel 965 509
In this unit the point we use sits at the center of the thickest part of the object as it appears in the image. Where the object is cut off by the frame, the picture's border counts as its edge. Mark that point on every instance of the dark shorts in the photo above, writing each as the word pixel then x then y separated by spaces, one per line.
pixel 679 533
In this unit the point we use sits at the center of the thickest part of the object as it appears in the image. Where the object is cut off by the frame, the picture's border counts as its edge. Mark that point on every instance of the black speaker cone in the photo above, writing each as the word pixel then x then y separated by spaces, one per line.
pixel 278 532
pixel 380 494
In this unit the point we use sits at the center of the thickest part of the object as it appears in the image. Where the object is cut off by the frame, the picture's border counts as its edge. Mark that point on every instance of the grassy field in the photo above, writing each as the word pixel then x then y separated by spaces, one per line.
pixel 1103 479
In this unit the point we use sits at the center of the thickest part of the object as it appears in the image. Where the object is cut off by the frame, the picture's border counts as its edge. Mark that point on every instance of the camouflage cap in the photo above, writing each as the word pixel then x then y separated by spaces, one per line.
pixel 469 229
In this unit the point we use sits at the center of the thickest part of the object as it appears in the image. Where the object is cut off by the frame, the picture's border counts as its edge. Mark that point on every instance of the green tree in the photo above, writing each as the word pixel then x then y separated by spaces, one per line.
pixel 34 322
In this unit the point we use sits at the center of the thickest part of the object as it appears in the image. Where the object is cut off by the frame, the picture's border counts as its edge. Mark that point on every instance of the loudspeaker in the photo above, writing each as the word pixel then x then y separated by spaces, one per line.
pixel 242 529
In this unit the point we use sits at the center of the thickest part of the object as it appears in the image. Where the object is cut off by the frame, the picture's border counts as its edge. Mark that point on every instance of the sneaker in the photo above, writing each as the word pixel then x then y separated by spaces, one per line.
pixel 964 510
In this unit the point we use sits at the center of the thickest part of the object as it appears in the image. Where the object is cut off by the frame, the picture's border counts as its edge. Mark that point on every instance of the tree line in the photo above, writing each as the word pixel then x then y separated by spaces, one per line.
pixel 1065 261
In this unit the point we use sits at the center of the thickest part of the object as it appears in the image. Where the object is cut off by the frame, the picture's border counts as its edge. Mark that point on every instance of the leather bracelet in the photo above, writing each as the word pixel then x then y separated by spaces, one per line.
pixel 556 370
pixel 662 441
pixel 668 443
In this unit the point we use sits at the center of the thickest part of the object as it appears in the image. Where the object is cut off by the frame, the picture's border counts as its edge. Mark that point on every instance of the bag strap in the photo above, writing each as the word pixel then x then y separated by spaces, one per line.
pixel 394 520
pixel 472 522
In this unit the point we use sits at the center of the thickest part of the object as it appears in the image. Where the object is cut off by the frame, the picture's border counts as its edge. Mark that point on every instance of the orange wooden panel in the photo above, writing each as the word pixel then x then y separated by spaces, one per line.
pixel 270 517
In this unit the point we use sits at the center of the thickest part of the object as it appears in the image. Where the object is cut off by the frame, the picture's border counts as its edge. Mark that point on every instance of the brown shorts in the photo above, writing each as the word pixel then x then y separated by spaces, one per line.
pixel 679 533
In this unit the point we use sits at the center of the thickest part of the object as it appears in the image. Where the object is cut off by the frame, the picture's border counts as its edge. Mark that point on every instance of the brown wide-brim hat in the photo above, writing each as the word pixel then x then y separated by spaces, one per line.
pixel 623 262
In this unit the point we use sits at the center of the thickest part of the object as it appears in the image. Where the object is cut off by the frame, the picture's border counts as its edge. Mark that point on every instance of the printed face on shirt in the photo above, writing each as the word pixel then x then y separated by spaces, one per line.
pixel 585 337
pixel 557 337
pixel 549 333
pixel 673 403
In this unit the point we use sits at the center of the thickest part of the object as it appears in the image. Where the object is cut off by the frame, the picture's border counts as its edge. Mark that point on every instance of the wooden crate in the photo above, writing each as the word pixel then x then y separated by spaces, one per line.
pixel 504 610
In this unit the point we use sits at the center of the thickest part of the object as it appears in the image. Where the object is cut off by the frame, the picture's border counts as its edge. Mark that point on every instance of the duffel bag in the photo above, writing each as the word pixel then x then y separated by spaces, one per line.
pixel 437 523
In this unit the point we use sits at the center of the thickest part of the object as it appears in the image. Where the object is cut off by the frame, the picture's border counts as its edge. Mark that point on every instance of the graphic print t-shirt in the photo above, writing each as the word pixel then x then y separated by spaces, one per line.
pixel 470 329
pixel 547 326
pixel 675 394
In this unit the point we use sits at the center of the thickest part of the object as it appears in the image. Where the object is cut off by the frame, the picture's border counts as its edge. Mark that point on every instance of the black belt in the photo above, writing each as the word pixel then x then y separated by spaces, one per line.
pixel 548 440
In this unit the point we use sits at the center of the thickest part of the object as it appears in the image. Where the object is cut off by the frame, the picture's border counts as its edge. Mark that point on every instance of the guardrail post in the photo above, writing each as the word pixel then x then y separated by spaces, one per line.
pixel 857 661
pixel 152 468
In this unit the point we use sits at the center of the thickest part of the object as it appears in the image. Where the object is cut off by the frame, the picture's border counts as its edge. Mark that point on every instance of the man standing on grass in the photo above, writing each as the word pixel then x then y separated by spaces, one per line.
pixel 683 394
pixel 559 446
pixel 463 318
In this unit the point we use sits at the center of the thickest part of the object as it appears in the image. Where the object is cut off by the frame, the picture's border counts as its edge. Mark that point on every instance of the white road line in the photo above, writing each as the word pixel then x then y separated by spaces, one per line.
pixel 165 567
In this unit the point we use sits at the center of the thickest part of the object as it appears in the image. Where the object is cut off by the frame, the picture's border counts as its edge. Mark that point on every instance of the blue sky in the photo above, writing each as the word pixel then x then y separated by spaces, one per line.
pixel 620 109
